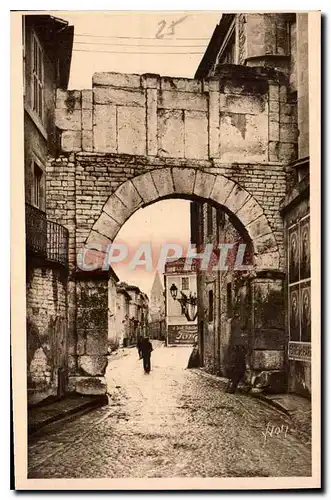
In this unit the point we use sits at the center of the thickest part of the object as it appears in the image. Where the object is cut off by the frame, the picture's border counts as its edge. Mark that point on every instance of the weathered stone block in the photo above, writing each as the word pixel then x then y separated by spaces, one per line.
pixel 243 104
pixel 107 226
pixel 196 134
pixel 266 243
pixel 171 133
pixel 68 99
pixel 288 132
pixel 116 209
pixel 237 199
pixel 163 181
pixel 129 196
pixel 151 121
pixel 87 140
pixel 274 92
pixel 104 129
pixel 184 179
pixel 150 81
pixel 99 239
pixel 221 189
pixel 87 99
pixel 71 141
pixel 68 120
pixel 88 385
pixel 87 119
pixel 122 80
pixel 131 127
pixel 250 211
pixel 172 99
pixel 145 186
pixel 243 137
pixel 267 360
pixel 119 97
pixel 204 184
pixel 180 84
pixel 258 227
pixel 273 131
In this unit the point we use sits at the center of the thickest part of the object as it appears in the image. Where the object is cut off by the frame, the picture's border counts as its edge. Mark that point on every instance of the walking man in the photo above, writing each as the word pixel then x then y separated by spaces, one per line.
pixel 139 342
pixel 146 350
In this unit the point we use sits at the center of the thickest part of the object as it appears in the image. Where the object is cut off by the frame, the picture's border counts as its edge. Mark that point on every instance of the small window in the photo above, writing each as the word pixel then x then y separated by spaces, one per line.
pixel 228 55
pixel 185 283
pixel 229 299
pixel 37 77
pixel 210 305
pixel 37 185
pixel 209 220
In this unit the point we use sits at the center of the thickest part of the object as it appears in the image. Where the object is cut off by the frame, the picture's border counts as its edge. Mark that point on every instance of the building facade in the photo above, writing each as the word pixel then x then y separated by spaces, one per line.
pixel 234 307
pixel 180 286
pixel 157 309
pixel 122 318
pixel 47 48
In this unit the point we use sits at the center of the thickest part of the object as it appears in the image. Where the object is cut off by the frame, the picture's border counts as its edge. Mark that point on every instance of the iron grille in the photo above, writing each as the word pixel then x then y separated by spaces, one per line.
pixel 57 243
pixel 35 231
pixel 45 238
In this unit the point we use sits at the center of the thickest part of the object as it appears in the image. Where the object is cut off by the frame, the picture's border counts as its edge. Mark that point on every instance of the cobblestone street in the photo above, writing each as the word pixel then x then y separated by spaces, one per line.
pixel 173 422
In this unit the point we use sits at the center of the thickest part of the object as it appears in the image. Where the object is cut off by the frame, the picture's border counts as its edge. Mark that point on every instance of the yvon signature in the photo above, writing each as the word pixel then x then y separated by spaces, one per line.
pixel 274 430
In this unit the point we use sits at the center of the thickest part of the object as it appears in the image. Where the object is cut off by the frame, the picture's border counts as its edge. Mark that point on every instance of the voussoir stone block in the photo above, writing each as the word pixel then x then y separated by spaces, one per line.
pixel 163 181
pixel 250 211
pixel 116 209
pixel 106 226
pixel 237 198
pixel 204 183
pixel 266 243
pixel 98 239
pixel 129 196
pixel 145 186
pixel 258 227
pixel 222 188
pixel 184 179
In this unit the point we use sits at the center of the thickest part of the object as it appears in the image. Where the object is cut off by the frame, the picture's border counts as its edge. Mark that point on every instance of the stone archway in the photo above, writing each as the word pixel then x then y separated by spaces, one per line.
pixel 158 184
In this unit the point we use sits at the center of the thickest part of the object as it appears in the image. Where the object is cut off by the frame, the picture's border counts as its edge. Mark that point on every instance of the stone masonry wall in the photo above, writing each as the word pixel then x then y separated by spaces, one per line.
pixel 46 330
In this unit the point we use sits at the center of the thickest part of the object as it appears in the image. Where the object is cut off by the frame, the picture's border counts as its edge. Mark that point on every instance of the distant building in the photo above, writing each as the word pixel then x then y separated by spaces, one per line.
pixel 181 302
pixel 157 302
pixel 122 318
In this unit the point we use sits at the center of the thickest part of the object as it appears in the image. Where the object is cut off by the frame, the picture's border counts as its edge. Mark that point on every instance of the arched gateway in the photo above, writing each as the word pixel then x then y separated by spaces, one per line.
pixel 133 140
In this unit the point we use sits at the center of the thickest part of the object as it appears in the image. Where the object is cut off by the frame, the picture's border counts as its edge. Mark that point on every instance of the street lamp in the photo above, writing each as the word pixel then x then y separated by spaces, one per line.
pixel 188 303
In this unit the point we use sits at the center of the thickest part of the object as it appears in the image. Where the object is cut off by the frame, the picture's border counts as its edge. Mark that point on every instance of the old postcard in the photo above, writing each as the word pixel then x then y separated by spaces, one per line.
pixel 165 250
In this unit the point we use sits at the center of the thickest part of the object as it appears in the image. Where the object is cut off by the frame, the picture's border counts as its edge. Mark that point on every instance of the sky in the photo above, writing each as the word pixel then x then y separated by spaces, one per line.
pixel 165 43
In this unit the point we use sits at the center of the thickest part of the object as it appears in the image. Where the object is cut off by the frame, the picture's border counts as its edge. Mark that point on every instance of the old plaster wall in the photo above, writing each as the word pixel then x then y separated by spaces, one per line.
pixel 46 330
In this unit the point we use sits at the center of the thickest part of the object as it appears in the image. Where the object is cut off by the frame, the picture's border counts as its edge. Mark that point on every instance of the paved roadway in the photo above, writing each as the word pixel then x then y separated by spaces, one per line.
pixel 173 422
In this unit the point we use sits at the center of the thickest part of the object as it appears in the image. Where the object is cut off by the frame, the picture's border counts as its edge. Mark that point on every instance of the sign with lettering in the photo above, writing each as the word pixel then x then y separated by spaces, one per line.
pixel 182 334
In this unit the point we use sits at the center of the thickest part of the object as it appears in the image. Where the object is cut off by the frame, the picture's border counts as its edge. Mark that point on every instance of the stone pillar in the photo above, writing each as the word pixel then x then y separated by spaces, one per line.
pixel 92 333
pixel 214 119
pixel 303 85
pixel 151 84
pixel 268 332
